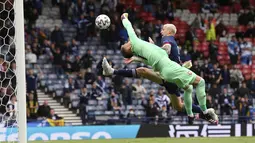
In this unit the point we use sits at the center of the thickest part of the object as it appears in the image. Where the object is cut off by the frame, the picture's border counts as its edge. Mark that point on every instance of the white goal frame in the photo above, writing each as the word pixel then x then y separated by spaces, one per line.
pixel 21 73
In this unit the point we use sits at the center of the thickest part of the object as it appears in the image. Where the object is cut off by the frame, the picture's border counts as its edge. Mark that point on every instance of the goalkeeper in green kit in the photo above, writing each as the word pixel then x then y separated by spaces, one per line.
pixel 169 71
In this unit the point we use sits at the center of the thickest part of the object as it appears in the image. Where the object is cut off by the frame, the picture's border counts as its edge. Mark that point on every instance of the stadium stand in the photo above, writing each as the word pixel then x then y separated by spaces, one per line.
pixel 65 51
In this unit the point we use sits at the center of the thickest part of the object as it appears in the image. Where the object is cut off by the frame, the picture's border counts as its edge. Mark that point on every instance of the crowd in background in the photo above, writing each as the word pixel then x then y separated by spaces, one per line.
pixel 229 90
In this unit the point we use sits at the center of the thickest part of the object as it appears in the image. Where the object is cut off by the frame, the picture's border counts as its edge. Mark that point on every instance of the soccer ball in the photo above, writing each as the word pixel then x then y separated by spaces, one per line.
pixel 103 21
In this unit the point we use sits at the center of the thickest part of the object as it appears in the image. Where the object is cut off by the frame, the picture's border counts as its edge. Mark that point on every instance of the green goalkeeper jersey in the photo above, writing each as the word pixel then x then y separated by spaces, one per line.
pixel 150 53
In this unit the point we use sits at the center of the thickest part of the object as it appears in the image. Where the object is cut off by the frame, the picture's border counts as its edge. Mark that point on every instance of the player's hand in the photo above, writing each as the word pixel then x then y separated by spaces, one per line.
pixel 128 61
pixel 124 15
pixel 151 41
pixel 187 64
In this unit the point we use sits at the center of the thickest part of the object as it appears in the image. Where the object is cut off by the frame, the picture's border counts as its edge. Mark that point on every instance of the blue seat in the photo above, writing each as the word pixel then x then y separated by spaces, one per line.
pixel 92 102
pixel 109 113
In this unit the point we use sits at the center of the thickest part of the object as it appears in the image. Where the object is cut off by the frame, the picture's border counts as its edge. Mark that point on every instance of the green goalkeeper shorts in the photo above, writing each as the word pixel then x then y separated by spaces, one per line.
pixel 174 73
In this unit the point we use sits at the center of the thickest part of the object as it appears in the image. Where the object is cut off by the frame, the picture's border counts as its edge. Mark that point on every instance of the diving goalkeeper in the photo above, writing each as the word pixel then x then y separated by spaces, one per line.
pixel 170 71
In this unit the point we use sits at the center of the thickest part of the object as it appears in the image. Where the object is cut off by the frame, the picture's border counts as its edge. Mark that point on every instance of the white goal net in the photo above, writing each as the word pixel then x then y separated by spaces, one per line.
pixel 12 72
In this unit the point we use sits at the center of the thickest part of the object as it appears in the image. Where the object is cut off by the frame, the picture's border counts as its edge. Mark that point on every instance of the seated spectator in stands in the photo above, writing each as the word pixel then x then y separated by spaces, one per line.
pixel 113 102
pixel 79 81
pixel 196 68
pixel 131 116
pixel 139 90
pixel 90 77
pixel 251 83
pixel 31 58
pixel 206 71
pixel 210 102
pixel 162 99
pixel 221 30
pixel 215 74
pixel 243 91
pixel 84 98
pixel 57 36
pixel 127 93
pixel 213 50
pixel 246 52
pixel 74 48
pixel 53 115
pixel 243 110
pixel 82 28
pixel 225 74
pixel 101 83
pixel 246 17
pixel 32 106
pixel 233 102
pixel 206 8
pixel 63 9
pixel 12 107
pixel 213 6
pixel 233 50
pixel 250 32
pixel 224 102
pixel 44 110
pixel 214 91
pixel 151 109
pixel 68 89
pixel 76 65
pixel 236 77
pixel 239 33
pixel 87 60
pixel 90 6
pixel 68 65
pixel 96 91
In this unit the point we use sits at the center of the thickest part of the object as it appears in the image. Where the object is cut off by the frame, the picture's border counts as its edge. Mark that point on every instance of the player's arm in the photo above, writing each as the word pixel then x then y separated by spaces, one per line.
pixel 134 59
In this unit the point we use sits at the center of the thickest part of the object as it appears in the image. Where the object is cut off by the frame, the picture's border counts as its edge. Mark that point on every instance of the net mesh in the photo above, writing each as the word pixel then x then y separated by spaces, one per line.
pixel 8 102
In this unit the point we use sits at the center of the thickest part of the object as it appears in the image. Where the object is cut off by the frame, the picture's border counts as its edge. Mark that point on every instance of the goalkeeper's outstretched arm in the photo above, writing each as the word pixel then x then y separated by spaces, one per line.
pixel 127 24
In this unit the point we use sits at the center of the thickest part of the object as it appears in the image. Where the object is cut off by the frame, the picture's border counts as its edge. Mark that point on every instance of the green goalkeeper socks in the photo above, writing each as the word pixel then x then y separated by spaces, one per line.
pixel 188 100
pixel 201 95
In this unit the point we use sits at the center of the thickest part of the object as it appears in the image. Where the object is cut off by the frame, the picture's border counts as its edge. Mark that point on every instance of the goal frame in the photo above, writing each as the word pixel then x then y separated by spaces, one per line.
pixel 20 68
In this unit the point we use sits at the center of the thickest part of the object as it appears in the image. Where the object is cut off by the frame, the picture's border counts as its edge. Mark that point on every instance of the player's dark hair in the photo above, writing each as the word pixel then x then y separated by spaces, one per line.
pixel 125 53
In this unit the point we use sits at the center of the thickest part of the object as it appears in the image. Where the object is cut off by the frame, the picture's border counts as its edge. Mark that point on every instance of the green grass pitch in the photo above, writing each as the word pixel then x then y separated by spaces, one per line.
pixel 163 140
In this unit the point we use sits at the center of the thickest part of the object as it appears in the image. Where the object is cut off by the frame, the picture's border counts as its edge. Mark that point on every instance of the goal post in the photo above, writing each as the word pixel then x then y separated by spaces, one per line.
pixel 21 71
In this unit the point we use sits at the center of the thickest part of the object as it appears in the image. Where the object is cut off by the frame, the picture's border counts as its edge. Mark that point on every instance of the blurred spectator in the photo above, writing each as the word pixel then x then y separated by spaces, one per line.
pixel 113 38
pixel 210 29
pixel 236 77
pixel 243 91
pixel 221 30
pixel 215 74
pixel 68 89
pixel 239 33
pixel 213 6
pixel 210 103
pixel 63 8
pixel 246 17
pixel 90 77
pixel 108 5
pixel 67 66
pixel 87 60
pixel 101 83
pixel 250 32
pixel 131 116
pixel 82 29
pixel 233 50
pixel 53 115
pixel 74 48
pixel 76 65
pixel 79 82
pixel 44 110
pixel 31 80
pixel 31 58
pixel 57 60
pixel 196 68
pixel 57 36
pixel 162 100
pixel 243 110
pixel 84 97
pixel 185 56
pixel 127 93
pixel 225 74
pixel 96 91
pixel 12 107
pixel 213 50
pixel 206 8
pixel 151 109
pixel 90 6
pixel 233 102
pixel 139 90
pixel 214 92
pixel 113 102
pixel 251 83
pixel 32 106
pixel 224 102
pixel 246 52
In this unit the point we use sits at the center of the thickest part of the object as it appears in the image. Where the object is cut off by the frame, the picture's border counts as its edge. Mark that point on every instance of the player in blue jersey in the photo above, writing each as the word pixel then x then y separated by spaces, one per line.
pixel 170 46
